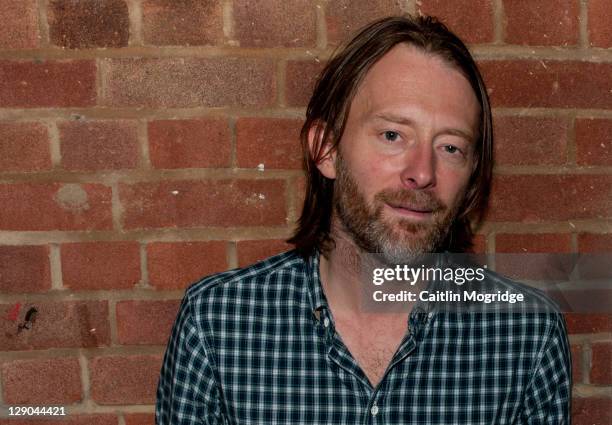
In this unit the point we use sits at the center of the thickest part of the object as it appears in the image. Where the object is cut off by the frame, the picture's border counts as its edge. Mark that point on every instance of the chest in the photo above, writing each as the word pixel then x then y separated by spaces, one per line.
pixel 298 376
pixel 372 345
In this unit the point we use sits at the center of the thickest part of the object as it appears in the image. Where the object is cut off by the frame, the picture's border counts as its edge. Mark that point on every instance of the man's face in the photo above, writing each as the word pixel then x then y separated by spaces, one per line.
pixel 406 155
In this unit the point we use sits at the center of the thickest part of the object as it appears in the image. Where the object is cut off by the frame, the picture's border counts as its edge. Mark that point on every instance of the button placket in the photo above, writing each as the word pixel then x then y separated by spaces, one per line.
pixel 374 409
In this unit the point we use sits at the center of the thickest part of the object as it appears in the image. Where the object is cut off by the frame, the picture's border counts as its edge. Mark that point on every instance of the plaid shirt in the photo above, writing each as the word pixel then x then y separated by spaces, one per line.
pixel 247 348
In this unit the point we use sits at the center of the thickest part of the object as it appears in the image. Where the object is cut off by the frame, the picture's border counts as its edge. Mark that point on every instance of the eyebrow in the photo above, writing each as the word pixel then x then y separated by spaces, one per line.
pixel 407 121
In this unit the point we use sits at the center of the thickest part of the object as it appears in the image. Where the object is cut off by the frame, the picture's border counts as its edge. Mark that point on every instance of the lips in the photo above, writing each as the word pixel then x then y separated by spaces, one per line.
pixel 417 205
pixel 413 208
pixel 411 212
pixel 423 209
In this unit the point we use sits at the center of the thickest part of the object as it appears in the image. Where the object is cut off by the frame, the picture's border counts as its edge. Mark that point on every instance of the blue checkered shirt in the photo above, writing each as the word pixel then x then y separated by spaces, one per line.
pixel 248 348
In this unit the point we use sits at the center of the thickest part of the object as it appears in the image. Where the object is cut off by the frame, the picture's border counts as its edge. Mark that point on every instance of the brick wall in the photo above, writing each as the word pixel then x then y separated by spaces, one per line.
pixel 145 143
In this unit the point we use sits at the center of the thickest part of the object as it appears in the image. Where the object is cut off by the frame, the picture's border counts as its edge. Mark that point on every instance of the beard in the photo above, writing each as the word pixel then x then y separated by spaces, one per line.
pixel 396 240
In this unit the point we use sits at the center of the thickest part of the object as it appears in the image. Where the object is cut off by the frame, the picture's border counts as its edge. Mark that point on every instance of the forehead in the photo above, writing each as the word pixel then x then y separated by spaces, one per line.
pixel 407 80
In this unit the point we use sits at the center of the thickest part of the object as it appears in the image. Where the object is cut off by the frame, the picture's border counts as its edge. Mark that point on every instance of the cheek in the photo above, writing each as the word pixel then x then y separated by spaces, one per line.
pixel 375 175
pixel 452 184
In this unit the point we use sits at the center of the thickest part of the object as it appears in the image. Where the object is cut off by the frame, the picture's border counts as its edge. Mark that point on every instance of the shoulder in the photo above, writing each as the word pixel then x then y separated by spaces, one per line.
pixel 280 272
pixel 537 316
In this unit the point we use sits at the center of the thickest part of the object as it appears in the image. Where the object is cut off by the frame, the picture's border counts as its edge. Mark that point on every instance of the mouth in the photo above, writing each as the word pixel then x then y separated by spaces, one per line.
pixel 411 211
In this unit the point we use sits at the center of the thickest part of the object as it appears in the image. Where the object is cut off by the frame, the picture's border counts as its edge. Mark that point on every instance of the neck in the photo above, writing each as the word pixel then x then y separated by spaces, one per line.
pixel 340 275
pixel 344 277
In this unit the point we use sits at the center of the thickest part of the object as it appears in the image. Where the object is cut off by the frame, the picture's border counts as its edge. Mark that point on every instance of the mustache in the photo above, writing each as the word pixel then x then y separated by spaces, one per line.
pixel 410 199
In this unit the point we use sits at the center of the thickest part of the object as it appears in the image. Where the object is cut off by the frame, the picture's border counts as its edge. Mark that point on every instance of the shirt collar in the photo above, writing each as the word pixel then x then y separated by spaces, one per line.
pixel 317 297
pixel 319 302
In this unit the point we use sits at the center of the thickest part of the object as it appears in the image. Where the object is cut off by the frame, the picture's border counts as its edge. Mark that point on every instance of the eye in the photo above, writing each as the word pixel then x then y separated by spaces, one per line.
pixel 451 149
pixel 391 135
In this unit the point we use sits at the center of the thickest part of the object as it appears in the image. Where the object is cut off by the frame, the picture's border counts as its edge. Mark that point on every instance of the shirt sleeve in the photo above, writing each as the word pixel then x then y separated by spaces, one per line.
pixel 547 399
pixel 187 392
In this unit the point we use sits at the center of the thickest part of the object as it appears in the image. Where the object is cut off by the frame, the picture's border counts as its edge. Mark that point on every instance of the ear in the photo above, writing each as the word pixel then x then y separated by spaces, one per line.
pixel 327 163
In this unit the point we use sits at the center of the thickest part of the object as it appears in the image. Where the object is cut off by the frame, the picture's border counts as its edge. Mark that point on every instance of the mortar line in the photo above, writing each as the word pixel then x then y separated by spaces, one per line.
pixel 228 23
pixel 320 24
pixel 112 319
pixel 55 263
pixel 281 71
pixel 43 22
pixel 232 254
pixel 100 80
pixel 499 23
pixel 136 37
pixel 583 25
pixel 496 51
pixel 144 269
pixel 410 7
pixel 143 139
pixel 55 148
pixel 587 358
pixel 116 207
pixel 85 378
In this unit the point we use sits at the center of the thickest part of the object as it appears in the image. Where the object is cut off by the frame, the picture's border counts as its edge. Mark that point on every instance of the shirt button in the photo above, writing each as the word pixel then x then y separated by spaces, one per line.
pixel 326 322
pixel 374 410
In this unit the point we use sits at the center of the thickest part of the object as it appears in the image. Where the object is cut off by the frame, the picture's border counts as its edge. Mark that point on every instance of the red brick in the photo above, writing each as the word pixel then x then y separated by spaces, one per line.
pixel 547 83
pixel 344 18
pixel 533 256
pixel 544 23
pixel 182 23
pixel 250 252
pixel 537 198
pixel 145 322
pixel 601 363
pixel 99 145
pixel 58 325
pixel 471 20
pixel 78 24
pixel 24 268
pixel 594 141
pixel 591 411
pixel 60 383
pixel 189 82
pixel 24 146
pixel 140 419
pixel 190 203
pixel 124 379
pixel 543 243
pixel 591 242
pixel 69 419
pixel 576 364
pixel 55 206
pixel 100 265
pixel 582 323
pixel 176 265
pixel 53 83
pixel 274 142
pixel 19 28
pixel 530 140
pixel 301 77
pixel 193 143
pixel 264 23
pixel 600 30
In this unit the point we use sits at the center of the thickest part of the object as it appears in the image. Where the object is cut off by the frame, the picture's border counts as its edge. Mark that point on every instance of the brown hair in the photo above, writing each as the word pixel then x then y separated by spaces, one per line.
pixel 329 107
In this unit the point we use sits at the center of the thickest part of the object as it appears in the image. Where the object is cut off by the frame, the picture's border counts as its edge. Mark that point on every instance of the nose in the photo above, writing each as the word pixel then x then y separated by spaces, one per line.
pixel 419 167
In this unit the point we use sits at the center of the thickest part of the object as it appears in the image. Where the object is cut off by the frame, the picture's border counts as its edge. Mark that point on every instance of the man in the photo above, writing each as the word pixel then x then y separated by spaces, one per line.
pixel 398 148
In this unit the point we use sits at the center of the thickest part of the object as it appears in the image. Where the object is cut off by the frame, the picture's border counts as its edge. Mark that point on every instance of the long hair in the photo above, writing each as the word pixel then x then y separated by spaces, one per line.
pixel 328 111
